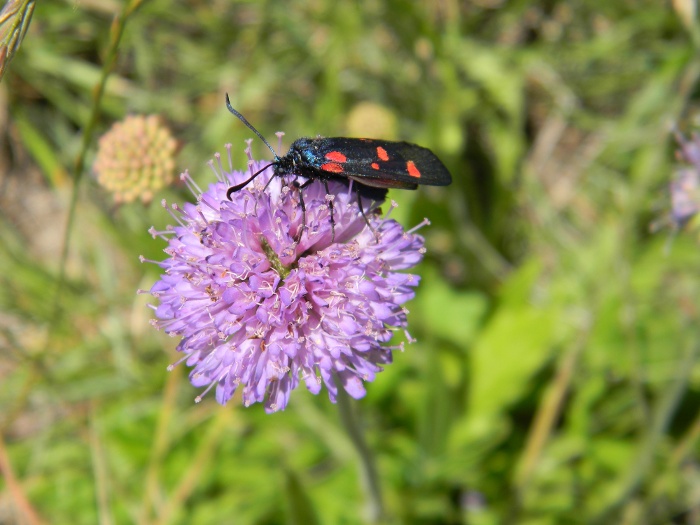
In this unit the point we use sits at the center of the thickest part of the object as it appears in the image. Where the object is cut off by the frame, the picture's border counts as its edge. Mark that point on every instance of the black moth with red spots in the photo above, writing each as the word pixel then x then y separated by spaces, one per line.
pixel 374 165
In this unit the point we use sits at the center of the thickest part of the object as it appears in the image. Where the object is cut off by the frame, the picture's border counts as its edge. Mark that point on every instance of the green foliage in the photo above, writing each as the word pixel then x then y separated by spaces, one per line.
pixel 554 378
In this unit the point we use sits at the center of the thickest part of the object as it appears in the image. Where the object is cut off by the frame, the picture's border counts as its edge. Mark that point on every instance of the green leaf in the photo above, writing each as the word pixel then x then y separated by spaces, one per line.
pixel 511 349
pixel 301 509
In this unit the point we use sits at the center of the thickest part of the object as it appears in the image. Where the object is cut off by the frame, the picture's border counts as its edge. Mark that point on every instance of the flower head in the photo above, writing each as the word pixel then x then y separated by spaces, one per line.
pixel 135 158
pixel 685 185
pixel 261 309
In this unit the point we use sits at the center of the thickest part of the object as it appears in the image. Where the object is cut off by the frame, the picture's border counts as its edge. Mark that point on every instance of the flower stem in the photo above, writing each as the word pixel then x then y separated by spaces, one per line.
pixel 115 35
pixel 368 469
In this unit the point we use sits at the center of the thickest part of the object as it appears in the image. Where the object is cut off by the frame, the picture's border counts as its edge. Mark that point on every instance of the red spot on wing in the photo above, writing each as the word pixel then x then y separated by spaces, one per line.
pixel 412 170
pixel 336 156
pixel 382 154
pixel 332 167
pixel 375 166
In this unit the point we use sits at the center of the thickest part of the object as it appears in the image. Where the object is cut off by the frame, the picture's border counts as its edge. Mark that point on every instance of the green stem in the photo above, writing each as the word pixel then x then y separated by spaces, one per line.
pixel 368 469
pixel 641 465
pixel 116 32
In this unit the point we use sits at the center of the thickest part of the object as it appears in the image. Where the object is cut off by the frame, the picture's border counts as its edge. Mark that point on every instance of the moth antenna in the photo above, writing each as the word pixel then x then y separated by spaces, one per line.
pixel 237 187
pixel 243 119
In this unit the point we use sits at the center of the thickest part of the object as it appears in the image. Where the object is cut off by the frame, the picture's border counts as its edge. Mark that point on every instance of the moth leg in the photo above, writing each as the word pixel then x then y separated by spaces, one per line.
pixel 362 211
pixel 302 205
pixel 330 207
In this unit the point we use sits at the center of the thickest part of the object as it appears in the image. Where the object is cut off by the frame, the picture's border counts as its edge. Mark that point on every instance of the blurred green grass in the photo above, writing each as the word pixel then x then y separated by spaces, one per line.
pixel 554 379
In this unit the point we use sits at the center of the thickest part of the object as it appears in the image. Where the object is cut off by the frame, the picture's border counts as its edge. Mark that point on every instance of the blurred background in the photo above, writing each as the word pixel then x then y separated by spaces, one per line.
pixel 554 378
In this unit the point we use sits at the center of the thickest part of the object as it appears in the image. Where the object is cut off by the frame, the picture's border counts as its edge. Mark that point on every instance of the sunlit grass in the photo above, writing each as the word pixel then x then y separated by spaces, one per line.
pixel 554 377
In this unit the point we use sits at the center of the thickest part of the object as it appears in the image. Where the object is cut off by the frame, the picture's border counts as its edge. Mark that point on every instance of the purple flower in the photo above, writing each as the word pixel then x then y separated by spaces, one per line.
pixel 685 186
pixel 257 310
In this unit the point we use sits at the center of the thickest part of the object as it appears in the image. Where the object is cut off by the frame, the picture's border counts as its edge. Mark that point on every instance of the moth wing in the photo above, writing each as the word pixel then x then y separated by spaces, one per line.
pixel 384 164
